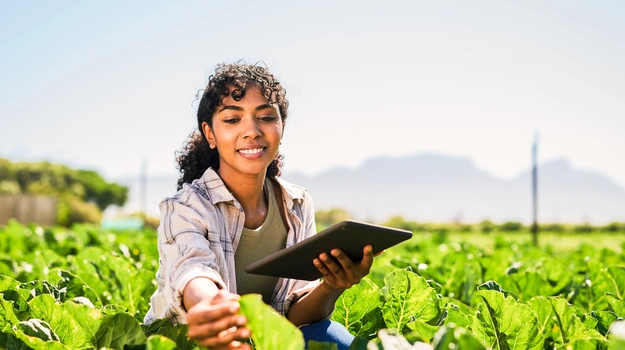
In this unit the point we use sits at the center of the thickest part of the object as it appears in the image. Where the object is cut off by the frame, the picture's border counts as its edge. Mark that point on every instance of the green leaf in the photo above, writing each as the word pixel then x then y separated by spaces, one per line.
pixel 391 340
pixel 455 316
pixel 73 286
pixel 10 341
pixel 584 344
pixel 359 343
pixel 543 310
pixel 569 324
pixel 591 293
pixel 616 305
pixel 492 285
pixel 118 330
pixel 359 309
pixel 38 328
pixel 315 345
pixel 616 344
pixel 60 319
pixel 604 320
pixel 38 334
pixel 409 299
pixel 7 314
pixel 36 288
pixel 20 305
pixel 449 337
pixel 616 280
pixel 177 333
pixel 160 342
pixel 502 323
pixel 557 273
pixel 527 284
pixel 88 318
pixel 7 282
pixel 269 329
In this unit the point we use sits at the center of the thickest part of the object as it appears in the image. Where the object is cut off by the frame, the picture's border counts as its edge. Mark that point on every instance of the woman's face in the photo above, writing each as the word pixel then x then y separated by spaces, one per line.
pixel 246 133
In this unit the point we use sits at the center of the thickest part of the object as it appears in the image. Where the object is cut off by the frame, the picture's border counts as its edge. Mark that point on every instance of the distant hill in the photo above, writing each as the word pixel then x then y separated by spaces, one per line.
pixel 438 188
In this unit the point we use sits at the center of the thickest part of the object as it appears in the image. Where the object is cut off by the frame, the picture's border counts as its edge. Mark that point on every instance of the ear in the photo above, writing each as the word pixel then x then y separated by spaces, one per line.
pixel 208 133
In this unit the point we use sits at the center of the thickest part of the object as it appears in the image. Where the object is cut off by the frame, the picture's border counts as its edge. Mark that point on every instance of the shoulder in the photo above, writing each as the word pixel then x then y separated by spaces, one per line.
pixel 295 192
pixel 204 192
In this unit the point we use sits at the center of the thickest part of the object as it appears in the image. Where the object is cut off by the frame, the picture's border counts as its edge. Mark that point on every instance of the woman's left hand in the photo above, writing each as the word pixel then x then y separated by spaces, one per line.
pixel 340 272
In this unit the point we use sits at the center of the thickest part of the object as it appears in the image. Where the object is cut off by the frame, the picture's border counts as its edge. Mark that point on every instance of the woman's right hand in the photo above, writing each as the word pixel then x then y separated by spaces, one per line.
pixel 215 322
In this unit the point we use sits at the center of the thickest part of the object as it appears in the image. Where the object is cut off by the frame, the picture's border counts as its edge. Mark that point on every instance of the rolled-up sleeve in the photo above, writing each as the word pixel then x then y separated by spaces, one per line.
pixel 185 251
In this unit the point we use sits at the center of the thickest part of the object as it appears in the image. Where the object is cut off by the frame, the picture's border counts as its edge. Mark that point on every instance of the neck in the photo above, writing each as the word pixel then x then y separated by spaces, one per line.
pixel 248 190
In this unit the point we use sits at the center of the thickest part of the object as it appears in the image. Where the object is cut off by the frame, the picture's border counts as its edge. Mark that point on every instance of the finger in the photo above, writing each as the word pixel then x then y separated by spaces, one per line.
pixel 204 312
pixel 364 266
pixel 213 329
pixel 335 268
pixel 367 256
pixel 346 263
pixel 227 339
pixel 325 272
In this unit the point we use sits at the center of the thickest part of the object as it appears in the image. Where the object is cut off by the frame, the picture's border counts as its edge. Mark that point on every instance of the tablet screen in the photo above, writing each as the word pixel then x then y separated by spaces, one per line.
pixel 349 236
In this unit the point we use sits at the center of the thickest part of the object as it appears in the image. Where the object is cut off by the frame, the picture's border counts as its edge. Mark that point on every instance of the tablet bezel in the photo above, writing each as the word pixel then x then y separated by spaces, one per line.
pixel 350 236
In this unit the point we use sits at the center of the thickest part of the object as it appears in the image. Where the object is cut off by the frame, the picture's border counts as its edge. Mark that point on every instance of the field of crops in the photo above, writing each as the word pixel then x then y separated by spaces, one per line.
pixel 89 288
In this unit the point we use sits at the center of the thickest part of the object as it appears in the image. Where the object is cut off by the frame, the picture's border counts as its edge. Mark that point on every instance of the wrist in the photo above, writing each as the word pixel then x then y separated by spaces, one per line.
pixel 331 290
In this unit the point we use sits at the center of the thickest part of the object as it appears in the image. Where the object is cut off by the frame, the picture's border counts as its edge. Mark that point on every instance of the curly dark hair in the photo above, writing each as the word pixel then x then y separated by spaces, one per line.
pixel 196 156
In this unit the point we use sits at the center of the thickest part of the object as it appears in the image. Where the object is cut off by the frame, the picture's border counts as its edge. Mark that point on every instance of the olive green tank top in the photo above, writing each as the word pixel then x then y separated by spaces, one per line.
pixel 257 244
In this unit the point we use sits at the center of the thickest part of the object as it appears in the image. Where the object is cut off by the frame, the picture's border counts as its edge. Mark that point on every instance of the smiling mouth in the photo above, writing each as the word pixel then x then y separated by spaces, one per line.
pixel 251 151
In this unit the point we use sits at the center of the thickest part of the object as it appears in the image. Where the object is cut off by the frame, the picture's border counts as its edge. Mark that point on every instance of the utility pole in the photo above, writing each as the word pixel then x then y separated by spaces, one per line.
pixel 143 185
pixel 535 190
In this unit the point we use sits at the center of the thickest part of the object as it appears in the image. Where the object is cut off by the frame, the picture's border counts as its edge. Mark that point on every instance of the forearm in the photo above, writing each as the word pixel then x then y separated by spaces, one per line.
pixel 197 290
pixel 314 306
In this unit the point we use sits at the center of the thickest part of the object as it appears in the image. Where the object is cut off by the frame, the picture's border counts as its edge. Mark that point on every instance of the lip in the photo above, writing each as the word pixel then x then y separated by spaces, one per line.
pixel 252 151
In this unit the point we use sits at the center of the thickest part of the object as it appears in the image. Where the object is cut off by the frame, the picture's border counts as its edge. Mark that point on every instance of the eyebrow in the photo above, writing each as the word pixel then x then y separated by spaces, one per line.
pixel 237 108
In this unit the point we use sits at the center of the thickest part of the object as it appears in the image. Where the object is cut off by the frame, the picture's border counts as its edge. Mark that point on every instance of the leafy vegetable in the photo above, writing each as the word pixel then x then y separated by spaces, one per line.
pixel 269 330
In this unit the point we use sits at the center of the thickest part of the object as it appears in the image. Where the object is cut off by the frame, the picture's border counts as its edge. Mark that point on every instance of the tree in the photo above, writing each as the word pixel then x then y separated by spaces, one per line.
pixel 83 194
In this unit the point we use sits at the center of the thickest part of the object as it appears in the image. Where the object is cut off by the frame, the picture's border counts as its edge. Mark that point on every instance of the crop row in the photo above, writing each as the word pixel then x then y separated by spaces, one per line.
pixel 89 288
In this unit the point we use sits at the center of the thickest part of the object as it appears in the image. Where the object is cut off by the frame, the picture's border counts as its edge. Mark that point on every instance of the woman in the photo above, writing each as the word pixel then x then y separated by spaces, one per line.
pixel 232 209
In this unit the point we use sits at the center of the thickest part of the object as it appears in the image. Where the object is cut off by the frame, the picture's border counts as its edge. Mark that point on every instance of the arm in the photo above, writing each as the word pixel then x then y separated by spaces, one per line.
pixel 339 273
pixel 212 317
pixel 193 287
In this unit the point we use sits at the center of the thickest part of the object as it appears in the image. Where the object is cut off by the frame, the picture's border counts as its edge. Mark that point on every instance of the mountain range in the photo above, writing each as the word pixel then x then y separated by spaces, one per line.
pixel 439 188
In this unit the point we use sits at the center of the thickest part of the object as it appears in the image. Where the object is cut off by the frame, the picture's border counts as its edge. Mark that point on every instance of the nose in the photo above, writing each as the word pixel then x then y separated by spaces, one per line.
pixel 251 128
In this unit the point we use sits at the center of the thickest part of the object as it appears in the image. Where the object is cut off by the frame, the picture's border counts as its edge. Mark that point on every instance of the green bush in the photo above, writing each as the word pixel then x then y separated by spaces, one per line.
pixel 327 218
pixel 83 194
pixel 73 210
pixel 511 226
pixel 400 223
pixel 614 227
pixel 487 226
pixel 9 187
pixel 554 227
pixel 583 228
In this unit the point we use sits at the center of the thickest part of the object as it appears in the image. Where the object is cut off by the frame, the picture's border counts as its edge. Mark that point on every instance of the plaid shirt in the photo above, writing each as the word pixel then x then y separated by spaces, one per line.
pixel 200 229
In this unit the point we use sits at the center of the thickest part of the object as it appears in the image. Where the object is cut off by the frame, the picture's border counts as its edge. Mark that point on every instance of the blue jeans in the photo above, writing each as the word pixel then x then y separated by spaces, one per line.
pixel 327 331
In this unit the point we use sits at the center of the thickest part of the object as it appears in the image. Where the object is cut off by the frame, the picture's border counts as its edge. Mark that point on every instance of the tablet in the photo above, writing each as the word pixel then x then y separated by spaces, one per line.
pixel 350 236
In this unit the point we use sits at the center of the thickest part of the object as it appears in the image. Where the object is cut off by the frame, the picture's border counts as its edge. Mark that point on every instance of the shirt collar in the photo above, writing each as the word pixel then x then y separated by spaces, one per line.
pixel 215 187
pixel 218 192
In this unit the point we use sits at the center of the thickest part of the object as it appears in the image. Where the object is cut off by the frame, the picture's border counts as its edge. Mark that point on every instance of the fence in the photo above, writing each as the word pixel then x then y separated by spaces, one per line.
pixel 40 210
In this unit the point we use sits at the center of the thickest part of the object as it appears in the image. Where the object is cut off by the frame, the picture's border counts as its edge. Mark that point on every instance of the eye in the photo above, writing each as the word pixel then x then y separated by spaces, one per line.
pixel 267 118
pixel 231 120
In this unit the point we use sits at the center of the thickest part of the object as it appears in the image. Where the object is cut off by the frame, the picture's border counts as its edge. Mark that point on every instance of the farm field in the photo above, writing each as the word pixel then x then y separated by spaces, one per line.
pixel 87 288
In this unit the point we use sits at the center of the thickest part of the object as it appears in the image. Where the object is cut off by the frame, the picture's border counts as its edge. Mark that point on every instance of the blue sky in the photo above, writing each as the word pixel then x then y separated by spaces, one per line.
pixel 105 85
